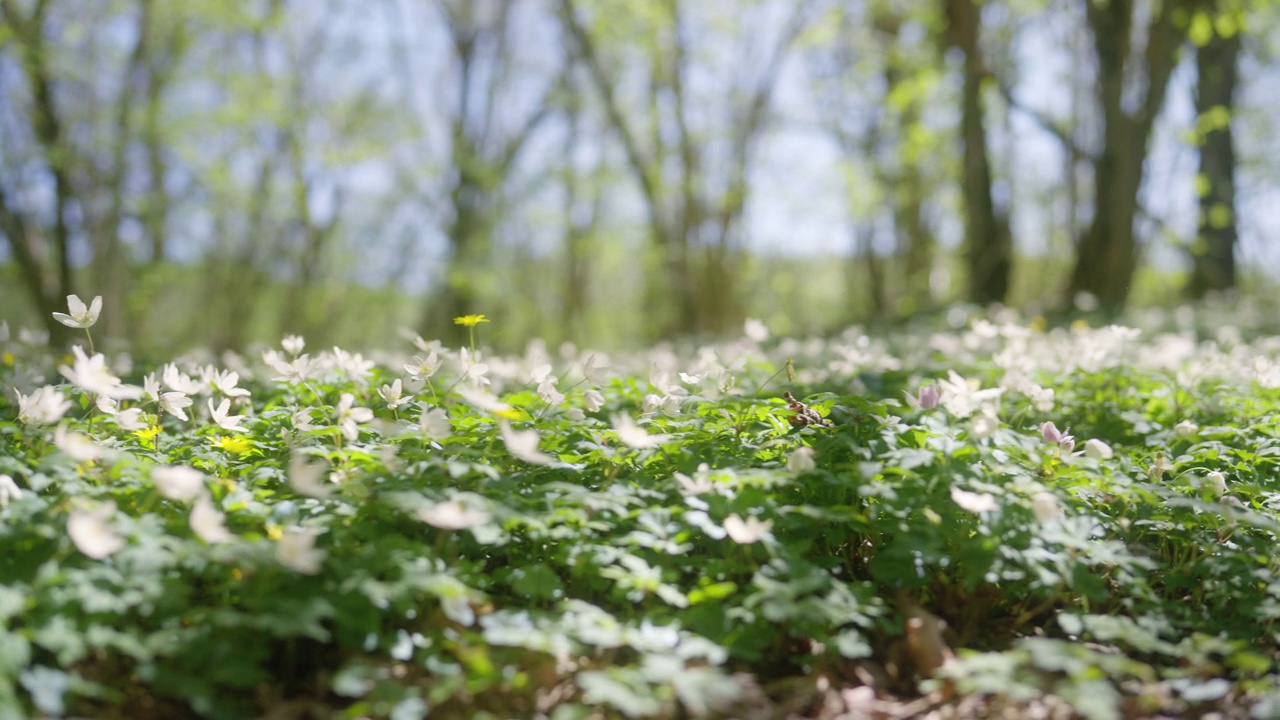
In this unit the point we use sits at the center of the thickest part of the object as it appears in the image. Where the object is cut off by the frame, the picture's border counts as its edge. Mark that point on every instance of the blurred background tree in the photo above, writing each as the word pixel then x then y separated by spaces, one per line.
pixel 615 173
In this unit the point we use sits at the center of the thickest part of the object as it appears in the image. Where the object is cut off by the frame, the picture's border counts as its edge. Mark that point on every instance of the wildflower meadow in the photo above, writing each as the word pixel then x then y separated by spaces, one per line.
pixel 988 517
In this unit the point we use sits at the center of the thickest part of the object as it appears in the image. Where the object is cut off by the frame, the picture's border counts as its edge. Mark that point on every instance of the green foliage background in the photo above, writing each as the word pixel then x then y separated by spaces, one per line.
pixel 604 580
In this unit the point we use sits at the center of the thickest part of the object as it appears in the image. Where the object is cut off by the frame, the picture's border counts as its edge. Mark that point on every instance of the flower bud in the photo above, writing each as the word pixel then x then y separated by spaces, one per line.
pixel 1097 449
pixel 1158 468
pixel 929 396
pixel 1046 507
pixel 1217 482
pixel 801 460
pixel 1050 432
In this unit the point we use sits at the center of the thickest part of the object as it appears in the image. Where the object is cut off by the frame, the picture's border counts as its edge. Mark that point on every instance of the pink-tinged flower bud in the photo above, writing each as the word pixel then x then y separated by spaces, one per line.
pixel 1051 434
pixel 929 396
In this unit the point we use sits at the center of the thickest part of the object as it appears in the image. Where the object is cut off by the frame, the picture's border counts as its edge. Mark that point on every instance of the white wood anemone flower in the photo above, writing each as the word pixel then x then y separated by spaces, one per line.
pixel 973 502
pixel 350 416
pixel 453 515
pixel 592 400
pixel 222 417
pixel 207 523
pixel 746 532
pixel 307 478
pixel 1098 450
pixel 92 533
pixel 79 447
pixel 434 423
pixel 523 444
pixel 44 406
pixel 634 436
pixel 1046 507
pixel 801 460
pixel 296 550
pixel 81 316
pixel 9 490
pixel 178 482
pixel 90 373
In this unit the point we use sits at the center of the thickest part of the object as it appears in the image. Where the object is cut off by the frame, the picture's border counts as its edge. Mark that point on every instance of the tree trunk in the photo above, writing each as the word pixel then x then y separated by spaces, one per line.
pixel 692 220
pixel 24 242
pixel 1107 255
pixel 916 243
pixel 484 149
pixel 988 240
pixel 304 312
pixel 1213 253
pixel 583 208
pixel 863 255
pixel 29 34
pixel 468 232
pixel 110 265
pixel 906 186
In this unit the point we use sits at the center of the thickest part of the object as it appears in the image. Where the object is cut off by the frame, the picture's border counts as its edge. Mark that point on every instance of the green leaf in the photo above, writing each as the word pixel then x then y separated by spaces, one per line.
pixel 1094 699
pixel 538 582
pixel 1201 30
pixel 62 637
pixel 15 652
pixel 1085 580
pixel 714 591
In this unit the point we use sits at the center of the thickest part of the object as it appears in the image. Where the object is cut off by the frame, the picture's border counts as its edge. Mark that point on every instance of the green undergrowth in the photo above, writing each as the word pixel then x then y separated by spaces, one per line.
pixel 572 536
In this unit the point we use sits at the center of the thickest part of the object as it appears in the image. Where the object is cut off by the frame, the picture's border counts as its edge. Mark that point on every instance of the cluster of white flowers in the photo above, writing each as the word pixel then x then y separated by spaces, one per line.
pixel 545 379
pixel 45 406
pixel 568 385
pixel 90 373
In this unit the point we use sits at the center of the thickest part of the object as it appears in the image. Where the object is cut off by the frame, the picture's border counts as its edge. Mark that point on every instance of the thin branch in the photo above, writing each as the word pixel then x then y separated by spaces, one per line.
pixel 689 213
pixel 1044 123
pixel 587 53
pixel 749 128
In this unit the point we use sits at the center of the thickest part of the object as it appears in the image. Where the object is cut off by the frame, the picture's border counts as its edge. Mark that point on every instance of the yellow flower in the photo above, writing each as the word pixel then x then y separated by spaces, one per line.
pixel 234 445
pixel 470 320
pixel 146 435
pixel 7 358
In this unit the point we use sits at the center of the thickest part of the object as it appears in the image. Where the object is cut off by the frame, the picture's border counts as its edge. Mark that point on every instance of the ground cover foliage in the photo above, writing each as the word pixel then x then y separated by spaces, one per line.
pixel 990 519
